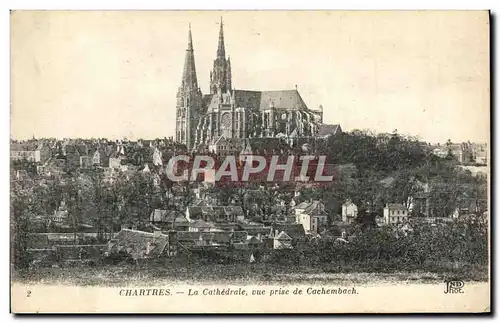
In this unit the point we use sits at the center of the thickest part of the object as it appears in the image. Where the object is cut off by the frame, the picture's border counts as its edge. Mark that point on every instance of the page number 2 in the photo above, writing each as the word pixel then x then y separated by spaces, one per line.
pixel 28 293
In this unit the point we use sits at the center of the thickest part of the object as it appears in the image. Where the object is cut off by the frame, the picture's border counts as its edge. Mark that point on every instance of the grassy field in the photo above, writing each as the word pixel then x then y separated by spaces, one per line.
pixel 155 274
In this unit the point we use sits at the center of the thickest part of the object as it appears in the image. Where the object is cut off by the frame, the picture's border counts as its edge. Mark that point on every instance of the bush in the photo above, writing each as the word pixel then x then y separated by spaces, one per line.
pixel 384 249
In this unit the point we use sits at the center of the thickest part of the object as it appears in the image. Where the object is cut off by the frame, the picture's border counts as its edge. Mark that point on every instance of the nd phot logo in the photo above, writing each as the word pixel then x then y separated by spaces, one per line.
pixel 454 287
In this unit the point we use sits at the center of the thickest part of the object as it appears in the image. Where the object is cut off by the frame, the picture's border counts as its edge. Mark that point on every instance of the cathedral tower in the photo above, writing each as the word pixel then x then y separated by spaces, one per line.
pixel 220 76
pixel 189 99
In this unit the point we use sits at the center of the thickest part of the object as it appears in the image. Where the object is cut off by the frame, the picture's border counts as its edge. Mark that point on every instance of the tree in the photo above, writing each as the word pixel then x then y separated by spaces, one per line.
pixel 19 222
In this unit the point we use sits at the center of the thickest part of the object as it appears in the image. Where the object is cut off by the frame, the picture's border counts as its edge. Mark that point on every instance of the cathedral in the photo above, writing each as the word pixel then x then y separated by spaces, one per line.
pixel 231 113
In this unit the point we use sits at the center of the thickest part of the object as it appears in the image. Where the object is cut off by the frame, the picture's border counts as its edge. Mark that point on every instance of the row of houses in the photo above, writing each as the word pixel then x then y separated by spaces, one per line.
pixel 143 244
pixel 465 152
pixel 396 214
pixel 223 146
pixel 31 151
pixel 310 215
pixel 86 153
pixel 106 153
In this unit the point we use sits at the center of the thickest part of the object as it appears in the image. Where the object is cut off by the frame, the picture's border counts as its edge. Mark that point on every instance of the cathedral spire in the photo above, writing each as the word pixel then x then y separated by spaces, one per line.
pixel 220 79
pixel 189 79
pixel 189 98
pixel 221 51
pixel 190 39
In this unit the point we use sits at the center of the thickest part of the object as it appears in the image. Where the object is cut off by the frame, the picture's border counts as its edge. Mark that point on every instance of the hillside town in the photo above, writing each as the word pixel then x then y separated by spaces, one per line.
pixel 113 196
pixel 98 200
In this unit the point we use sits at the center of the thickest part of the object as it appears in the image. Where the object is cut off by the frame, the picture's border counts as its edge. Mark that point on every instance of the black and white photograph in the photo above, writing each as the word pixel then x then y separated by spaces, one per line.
pixel 249 161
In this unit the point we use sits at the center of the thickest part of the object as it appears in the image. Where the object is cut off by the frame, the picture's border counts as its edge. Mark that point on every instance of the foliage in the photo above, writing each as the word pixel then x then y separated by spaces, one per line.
pixel 373 170
pixel 387 248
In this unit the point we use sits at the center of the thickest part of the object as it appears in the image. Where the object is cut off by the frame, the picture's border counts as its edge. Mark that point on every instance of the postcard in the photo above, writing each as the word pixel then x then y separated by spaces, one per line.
pixel 250 162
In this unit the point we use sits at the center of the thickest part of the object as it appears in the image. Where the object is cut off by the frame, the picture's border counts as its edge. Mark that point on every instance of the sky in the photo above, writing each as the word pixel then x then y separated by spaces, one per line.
pixel 115 74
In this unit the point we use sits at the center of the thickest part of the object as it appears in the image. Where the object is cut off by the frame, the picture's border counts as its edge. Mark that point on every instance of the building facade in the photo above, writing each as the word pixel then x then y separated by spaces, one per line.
pixel 38 153
pixel 312 216
pixel 395 213
pixel 349 212
pixel 233 113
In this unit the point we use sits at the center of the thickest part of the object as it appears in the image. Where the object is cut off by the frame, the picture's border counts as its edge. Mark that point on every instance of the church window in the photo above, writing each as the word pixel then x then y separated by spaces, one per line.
pixel 226 120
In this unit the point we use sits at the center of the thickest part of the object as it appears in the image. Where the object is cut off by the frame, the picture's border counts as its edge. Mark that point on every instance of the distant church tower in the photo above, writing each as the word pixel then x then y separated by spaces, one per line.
pixel 189 100
pixel 220 76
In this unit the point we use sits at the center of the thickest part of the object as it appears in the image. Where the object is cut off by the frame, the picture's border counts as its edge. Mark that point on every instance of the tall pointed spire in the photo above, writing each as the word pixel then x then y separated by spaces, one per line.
pixel 221 51
pixel 190 39
pixel 189 98
pixel 189 79
pixel 220 79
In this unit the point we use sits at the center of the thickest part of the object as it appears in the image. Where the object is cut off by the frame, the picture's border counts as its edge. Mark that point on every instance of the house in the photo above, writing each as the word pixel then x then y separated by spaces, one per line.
pixel 157 157
pixel 201 226
pixel 216 214
pixel 139 244
pixel 395 213
pixel 72 154
pixel 480 152
pixel 279 240
pixel 349 212
pixel 420 199
pixel 328 130
pixel 255 229
pixel 115 162
pixel 295 231
pixel 100 158
pixel 86 161
pixel 110 175
pixel 311 215
pixel 466 206
pixel 30 151
pixel 223 146
pixel 168 220
pixel 254 242
pixel 188 239
pixel 266 146
pixel 440 151
pixel 461 151
pixel 217 239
